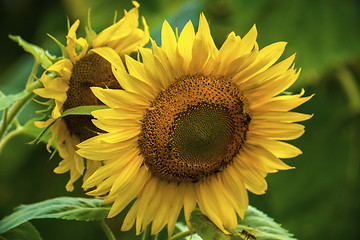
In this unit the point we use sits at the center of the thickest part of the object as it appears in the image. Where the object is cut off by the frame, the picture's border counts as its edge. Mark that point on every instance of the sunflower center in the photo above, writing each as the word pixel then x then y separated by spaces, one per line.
pixel 90 71
pixel 201 133
pixel 194 128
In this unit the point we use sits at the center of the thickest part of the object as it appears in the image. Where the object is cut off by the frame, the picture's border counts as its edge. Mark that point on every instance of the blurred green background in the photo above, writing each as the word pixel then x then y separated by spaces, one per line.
pixel 317 200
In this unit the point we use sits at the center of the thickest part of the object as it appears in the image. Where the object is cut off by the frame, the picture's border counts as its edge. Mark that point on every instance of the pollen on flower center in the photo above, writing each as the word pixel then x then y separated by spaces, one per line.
pixel 90 71
pixel 194 128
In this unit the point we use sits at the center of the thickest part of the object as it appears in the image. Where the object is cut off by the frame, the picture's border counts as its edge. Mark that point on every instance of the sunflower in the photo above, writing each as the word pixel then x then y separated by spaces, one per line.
pixel 68 82
pixel 196 125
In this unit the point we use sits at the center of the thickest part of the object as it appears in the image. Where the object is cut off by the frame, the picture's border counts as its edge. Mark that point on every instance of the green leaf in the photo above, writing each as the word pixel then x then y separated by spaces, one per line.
pixel 68 208
pixel 25 231
pixel 63 49
pixel 83 110
pixel 39 54
pixel 90 33
pixel 261 226
pixel 255 225
pixel 205 228
pixel 7 100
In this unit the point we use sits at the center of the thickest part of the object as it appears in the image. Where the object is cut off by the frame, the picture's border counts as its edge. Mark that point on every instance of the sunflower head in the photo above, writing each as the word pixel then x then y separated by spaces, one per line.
pixel 91 70
pixel 196 125
pixel 194 128
pixel 87 63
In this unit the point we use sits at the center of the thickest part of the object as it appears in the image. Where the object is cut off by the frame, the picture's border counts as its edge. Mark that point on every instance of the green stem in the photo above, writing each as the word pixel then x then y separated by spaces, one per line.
pixel 15 109
pixel 32 75
pixel 348 82
pixel 147 234
pixel 109 234
pixel 182 235
pixel 4 117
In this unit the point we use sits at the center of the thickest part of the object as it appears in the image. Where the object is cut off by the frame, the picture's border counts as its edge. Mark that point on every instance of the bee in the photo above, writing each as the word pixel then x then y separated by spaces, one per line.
pixel 248 118
pixel 198 178
pixel 219 169
pixel 248 235
pixel 87 83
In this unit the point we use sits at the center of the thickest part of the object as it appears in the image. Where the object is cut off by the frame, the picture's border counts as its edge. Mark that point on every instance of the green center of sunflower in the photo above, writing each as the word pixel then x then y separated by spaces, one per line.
pixel 194 128
pixel 201 132
pixel 90 71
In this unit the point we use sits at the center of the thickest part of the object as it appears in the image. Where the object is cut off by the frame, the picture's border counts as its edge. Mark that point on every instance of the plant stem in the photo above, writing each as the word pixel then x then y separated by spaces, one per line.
pixel 348 82
pixel 147 234
pixel 182 235
pixel 109 234
pixel 32 75
pixel 15 109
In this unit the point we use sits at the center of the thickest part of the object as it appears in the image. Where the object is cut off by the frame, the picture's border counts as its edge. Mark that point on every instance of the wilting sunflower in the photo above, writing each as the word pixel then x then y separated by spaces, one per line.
pixel 196 125
pixel 68 82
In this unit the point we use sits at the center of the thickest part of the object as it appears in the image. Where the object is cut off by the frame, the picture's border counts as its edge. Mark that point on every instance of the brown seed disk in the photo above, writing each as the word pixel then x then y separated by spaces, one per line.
pixel 90 71
pixel 194 128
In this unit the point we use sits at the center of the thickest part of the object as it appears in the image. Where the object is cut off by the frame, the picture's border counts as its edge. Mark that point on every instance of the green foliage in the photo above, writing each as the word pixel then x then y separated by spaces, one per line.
pixel 25 231
pixel 255 223
pixel 323 33
pixel 90 33
pixel 205 228
pixel 7 100
pixel 81 110
pixel 67 208
pixel 63 49
pixel 39 54
pixel 262 226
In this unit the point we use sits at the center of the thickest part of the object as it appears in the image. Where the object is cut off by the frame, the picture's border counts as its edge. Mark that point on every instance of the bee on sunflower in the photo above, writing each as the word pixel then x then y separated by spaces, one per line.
pixel 86 63
pixel 196 125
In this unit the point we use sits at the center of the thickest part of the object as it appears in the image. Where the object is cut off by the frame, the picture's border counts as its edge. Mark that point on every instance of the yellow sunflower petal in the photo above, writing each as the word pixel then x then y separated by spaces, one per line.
pixel 148 201
pixel 76 47
pixel 127 174
pixel 113 98
pixel 111 56
pixel 253 178
pixel 281 103
pixel 277 130
pixel 207 206
pixel 118 113
pixel 136 69
pixel 124 36
pixel 168 40
pixel 130 217
pixel 283 116
pixel 228 216
pixel 154 70
pixel 203 48
pixel 265 58
pixel 189 203
pixel 236 192
pixel 258 152
pixel 160 218
pixel 271 73
pixel 278 148
pixel 175 208
pixel 116 125
pixel 132 84
pixel 126 195
pixel 185 44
